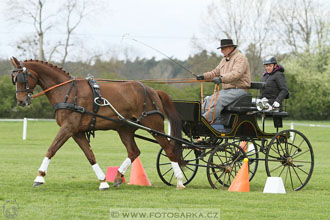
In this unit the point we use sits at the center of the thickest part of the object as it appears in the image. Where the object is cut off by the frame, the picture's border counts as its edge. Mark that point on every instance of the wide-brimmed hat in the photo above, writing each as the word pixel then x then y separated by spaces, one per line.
pixel 226 43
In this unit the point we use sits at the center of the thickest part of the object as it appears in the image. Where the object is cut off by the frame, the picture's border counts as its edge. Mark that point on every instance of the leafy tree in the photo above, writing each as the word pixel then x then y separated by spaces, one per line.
pixel 308 77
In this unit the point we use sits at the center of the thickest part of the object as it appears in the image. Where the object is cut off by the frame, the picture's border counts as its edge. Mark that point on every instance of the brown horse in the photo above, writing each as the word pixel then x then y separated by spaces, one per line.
pixel 126 102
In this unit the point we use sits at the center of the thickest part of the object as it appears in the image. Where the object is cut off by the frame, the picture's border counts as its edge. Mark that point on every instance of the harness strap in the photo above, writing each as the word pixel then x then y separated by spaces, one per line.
pixel 96 95
pixel 69 91
pixel 145 113
pixel 80 109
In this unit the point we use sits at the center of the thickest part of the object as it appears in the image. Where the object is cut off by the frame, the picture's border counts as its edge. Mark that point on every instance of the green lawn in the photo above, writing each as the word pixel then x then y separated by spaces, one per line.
pixel 71 188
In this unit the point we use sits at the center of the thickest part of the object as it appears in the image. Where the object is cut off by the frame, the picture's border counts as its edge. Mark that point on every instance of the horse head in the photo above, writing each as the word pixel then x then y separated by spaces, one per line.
pixel 25 81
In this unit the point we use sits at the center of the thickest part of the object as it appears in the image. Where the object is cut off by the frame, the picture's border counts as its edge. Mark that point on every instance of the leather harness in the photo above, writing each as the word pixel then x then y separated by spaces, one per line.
pixel 97 96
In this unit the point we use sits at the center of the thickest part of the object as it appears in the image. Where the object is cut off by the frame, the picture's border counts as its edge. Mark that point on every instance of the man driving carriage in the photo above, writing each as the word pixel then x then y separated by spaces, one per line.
pixel 234 74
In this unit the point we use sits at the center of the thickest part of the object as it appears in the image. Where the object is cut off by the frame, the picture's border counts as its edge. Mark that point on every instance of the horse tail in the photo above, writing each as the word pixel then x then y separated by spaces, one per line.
pixel 172 115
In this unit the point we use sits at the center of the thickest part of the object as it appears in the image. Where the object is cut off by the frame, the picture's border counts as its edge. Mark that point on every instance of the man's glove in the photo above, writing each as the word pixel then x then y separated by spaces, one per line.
pixel 200 77
pixel 276 104
pixel 217 80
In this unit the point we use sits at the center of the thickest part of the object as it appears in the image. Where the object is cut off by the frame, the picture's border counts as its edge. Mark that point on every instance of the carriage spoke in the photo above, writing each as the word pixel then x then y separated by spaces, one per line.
pixel 163 154
pixel 281 171
pixel 187 154
pixel 298 155
pixel 161 164
pixel 185 176
pixel 286 176
pixel 224 178
pixel 167 171
pixel 217 180
pixel 188 168
pixel 219 157
pixel 277 168
pixel 275 150
pixel 171 177
pixel 302 161
pixel 297 175
pixel 291 178
pixel 301 170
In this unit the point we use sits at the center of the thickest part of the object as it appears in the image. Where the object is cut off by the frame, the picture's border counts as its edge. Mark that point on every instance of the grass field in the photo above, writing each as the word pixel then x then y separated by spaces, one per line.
pixel 71 188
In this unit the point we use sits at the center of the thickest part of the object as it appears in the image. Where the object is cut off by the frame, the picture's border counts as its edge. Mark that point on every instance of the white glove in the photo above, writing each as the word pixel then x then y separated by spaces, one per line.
pixel 276 104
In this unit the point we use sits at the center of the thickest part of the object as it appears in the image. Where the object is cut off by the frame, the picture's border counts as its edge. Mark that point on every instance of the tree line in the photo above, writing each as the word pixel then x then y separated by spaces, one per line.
pixel 307 74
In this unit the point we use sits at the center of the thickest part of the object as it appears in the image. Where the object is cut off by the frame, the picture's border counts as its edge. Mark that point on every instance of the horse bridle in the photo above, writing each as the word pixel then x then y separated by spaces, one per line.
pixel 22 77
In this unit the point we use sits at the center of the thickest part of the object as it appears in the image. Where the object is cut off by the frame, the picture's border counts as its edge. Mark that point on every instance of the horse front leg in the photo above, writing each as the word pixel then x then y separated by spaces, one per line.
pixel 81 140
pixel 62 136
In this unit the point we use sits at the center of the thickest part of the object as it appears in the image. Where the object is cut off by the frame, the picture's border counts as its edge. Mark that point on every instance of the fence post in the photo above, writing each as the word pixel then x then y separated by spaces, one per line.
pixel 24 128
pixel 291 133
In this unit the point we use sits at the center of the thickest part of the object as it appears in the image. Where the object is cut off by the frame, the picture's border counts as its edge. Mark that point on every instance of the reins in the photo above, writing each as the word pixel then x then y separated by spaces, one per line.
pixel 158 81
pixel 53 87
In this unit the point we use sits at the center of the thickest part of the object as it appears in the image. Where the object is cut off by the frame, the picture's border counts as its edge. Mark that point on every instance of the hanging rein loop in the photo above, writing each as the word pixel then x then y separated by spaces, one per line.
pixel 213 102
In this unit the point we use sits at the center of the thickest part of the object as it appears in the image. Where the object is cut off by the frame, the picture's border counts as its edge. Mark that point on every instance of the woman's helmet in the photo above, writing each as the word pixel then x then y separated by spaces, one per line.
pixel 270 60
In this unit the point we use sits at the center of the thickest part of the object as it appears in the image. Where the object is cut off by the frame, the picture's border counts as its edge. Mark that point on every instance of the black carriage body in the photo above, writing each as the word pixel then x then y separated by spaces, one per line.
pixel 239 119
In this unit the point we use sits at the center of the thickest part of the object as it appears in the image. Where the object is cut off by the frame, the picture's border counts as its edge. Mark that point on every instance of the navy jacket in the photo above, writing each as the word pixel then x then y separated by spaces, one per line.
pixel 276 88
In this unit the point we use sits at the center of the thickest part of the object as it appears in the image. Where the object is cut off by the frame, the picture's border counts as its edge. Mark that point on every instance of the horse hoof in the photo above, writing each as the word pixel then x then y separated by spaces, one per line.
pixel 180 186
pixel 35 184
pixel 104 186
pixel 117 183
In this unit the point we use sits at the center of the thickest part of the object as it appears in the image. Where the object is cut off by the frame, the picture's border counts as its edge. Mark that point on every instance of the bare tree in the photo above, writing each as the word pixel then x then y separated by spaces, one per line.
pixel 45 15
pixel 71 23
pixel 227 18
pixel 31 12
pixel 249 23
pixel 304 24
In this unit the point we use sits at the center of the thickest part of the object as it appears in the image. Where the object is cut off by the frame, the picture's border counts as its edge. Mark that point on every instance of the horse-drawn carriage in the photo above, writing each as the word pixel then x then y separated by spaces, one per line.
pixel 287 153
pixel 84 105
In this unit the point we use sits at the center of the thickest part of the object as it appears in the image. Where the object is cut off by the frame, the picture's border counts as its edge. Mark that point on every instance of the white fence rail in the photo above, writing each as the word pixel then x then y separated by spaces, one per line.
pixel 25 122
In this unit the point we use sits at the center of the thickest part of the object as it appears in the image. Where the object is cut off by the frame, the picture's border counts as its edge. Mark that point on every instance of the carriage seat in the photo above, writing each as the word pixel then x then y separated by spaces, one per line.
pixel 241 105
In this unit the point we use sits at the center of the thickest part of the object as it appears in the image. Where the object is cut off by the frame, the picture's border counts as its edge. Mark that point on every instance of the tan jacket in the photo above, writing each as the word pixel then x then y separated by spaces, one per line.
pixel 235 73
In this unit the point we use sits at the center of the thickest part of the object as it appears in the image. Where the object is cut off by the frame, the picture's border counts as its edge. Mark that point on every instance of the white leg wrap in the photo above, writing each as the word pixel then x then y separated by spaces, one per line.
pixel 177 170
pixel 39 179
pixel 178 174
pixel 44 165
pixel 124 166
pixel 99 173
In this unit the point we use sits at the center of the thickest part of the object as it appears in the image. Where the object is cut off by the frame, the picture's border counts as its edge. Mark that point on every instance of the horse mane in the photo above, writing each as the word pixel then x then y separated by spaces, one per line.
pixel 50 65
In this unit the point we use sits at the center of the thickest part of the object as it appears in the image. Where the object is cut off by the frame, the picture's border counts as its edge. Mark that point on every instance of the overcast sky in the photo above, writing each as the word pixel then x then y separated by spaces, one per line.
pixel 167 25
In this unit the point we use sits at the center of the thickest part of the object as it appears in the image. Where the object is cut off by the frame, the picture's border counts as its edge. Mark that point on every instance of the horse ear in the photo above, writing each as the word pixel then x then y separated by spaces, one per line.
pixel 15 62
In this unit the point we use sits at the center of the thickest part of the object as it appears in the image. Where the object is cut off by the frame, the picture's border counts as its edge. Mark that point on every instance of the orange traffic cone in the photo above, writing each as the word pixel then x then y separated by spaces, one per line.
pixel 138 175
pixel 111 174
pixel 241 181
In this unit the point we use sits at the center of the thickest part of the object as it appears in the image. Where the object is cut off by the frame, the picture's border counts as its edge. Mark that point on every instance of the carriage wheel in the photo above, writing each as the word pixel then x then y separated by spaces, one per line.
pixel 165 170
pixel 223 164
pixel 251 150
pixel 290 155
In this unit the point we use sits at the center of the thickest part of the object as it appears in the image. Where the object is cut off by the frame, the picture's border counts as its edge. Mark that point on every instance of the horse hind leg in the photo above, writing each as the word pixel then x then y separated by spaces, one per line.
pixel 169 147
pixel 127 137
pixel 81 140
